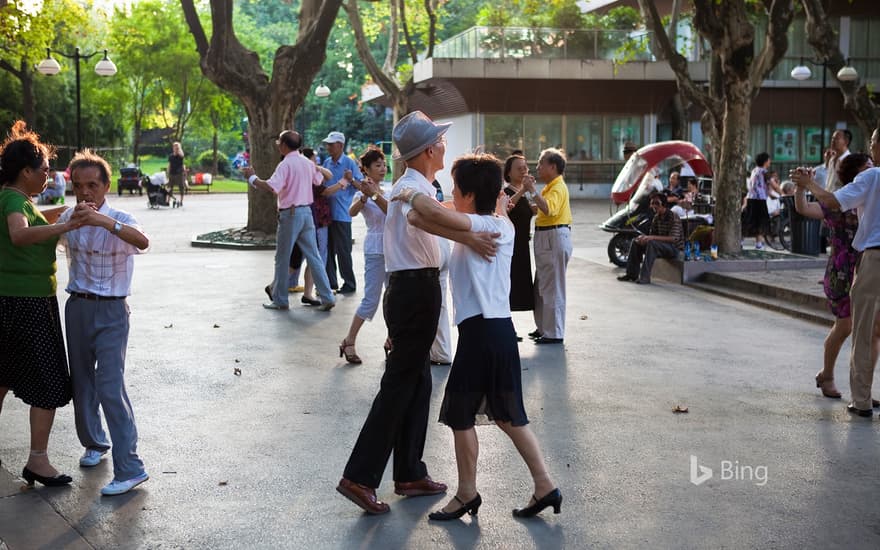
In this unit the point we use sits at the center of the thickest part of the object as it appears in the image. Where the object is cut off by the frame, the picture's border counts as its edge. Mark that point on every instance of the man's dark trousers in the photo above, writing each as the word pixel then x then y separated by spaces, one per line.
pixel 651 251
pixel 398 419
pixel 339 251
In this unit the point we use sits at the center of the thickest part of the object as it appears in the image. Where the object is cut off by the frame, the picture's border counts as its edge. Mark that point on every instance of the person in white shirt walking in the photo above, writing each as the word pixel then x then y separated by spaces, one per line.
pixel 862 194
pixel 100 263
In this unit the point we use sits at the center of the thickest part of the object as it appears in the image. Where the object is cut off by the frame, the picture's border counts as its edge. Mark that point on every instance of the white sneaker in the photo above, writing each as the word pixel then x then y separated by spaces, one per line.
pixel 121 487
pixel 91 458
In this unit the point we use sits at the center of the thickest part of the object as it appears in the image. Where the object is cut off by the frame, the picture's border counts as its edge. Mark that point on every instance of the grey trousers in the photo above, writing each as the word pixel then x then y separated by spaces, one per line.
pixel 97 337
pixel 552 252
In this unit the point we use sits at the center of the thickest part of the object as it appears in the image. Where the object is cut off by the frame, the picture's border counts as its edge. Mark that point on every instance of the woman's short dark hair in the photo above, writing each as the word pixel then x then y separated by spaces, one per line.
pixel 480 175
pixel 554 157
pixel 22 149
pixel 850 166
pixel 88 159
pixel 762 159
pixel 372 155
pixel 508 165
pixel 307 152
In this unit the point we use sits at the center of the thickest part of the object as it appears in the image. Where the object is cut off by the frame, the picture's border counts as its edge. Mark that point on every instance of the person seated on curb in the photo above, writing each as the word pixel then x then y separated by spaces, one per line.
pixel 664 240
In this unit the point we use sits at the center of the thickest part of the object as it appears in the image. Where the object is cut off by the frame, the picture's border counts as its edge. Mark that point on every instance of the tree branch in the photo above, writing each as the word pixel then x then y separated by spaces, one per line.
pixel 413 54
pixel 823 39
pixel 676 61
pixel 781 13
pixel 388 83
pixel 9 68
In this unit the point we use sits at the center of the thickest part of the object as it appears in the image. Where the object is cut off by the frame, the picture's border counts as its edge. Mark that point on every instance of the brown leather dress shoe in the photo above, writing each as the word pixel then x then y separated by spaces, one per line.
pixel 422 487
pixel 363 496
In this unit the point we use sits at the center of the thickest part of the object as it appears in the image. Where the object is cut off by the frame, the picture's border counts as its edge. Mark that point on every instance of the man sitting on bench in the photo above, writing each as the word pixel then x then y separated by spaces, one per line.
pixel 665 239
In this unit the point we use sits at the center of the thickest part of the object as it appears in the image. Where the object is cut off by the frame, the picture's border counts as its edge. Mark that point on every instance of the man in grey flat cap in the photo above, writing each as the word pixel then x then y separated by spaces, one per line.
pixel 398 418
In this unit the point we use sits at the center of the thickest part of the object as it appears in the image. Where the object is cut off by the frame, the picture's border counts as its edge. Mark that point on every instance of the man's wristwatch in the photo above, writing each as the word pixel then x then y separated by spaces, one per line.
pixel 117 227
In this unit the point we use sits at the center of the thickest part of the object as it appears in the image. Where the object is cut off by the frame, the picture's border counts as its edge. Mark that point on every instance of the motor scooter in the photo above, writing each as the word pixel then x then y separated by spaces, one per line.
pixel 635 218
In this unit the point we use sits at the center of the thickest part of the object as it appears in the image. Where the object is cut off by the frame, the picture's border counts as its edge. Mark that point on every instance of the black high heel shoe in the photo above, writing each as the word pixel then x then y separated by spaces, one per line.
pixel 553 498
pixel 57 481
pixel 471 507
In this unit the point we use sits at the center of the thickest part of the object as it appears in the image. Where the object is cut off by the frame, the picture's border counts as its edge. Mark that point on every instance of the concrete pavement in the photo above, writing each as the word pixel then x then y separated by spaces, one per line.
pixel 252 460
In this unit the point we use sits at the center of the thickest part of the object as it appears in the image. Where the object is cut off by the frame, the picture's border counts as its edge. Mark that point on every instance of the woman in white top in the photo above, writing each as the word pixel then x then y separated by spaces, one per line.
pixel 372 202
pixel 485 380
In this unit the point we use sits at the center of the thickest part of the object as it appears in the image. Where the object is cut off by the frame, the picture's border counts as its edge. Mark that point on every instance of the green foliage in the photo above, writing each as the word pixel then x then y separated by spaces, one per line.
pixel 205 163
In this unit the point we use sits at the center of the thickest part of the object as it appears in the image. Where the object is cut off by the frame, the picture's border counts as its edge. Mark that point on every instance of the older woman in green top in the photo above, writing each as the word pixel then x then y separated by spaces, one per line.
pixel 33 361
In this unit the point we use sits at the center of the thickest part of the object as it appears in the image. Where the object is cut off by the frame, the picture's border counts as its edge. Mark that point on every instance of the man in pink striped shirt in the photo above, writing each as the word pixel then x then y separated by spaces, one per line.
pixel 292 184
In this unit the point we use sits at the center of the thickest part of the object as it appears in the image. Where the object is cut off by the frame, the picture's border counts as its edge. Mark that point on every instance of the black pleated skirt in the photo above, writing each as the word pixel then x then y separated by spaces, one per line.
pixel 485 382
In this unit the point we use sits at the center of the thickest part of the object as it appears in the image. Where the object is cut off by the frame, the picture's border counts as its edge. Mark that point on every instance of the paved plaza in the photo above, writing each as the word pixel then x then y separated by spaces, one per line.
pixel 252 460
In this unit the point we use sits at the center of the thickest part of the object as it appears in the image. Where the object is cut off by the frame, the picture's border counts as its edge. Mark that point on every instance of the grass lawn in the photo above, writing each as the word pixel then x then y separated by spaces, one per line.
pixel 151 165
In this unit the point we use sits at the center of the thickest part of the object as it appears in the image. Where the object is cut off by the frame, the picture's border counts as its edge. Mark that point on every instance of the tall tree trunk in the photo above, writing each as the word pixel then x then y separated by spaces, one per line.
pixel 736 74
pixel 269 103
pixel 729 169
pixel 25 75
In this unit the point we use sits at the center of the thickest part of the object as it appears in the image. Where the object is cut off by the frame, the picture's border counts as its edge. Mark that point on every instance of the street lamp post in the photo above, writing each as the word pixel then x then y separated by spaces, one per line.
pixel 802 72
pixel 50 67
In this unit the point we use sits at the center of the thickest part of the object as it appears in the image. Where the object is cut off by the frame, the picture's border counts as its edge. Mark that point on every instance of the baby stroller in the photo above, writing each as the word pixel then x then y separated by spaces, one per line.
pixel 157 194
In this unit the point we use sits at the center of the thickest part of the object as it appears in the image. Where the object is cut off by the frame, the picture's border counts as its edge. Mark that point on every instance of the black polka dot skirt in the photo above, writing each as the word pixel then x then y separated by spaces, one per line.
pixel 33 361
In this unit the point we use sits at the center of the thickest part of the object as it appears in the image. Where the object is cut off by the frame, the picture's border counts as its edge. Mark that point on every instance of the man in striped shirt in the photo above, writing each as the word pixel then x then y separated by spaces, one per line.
pixel 664 240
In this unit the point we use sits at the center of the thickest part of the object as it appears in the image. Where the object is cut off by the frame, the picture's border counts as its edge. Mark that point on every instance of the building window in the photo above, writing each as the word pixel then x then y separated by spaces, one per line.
pixel 583 137
pixel 503 134
pixel 541 132
pixel 619 130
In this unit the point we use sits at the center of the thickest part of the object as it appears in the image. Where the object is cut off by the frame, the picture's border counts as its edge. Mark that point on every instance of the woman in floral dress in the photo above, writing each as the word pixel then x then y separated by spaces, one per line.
pixel 841 264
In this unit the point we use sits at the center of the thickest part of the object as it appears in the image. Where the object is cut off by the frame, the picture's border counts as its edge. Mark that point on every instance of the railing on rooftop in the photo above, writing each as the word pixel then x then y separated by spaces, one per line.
pixel 546 43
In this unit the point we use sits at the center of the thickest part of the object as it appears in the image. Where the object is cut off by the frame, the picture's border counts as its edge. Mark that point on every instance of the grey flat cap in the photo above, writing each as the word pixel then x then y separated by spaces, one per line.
pixel 414 133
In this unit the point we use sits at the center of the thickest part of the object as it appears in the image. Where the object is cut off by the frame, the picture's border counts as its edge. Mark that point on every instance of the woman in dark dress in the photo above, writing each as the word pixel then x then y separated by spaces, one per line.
pixel 841 265
pixel 521 211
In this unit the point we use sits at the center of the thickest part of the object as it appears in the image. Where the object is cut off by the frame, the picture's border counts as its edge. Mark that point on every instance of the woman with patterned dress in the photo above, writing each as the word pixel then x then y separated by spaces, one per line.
pixel 757 219
pixel 839 272
pixel 33 360
pixel 522 293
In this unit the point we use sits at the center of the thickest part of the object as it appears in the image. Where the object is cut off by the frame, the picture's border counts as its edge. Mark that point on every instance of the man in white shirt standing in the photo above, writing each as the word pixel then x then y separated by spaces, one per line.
pixel 398 419
pixel 840 141
pixel 100 258
pixel 864 194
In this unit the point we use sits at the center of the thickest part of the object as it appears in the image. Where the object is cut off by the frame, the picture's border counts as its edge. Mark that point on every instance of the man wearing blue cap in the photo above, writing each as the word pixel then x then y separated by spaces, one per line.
pixel 345 171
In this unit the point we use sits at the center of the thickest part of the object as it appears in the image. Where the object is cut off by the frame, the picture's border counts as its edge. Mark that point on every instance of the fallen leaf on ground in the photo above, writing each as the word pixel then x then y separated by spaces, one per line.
pixel 169 326
pixel 236 371
pixel 216 325
pixel 584 317
pixel 679 409
pixel 237 361
pixel 222 483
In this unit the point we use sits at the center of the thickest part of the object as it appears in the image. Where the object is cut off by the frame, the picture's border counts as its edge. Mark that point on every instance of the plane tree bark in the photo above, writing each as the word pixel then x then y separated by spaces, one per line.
pixel 736 74
pixel 270 102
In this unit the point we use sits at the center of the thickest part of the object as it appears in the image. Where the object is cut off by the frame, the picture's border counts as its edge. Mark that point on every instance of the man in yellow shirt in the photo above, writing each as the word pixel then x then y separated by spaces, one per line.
pixel 552 247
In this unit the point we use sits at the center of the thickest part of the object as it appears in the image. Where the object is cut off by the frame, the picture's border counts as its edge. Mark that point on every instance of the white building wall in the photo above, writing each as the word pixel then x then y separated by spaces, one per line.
pixel 461 138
